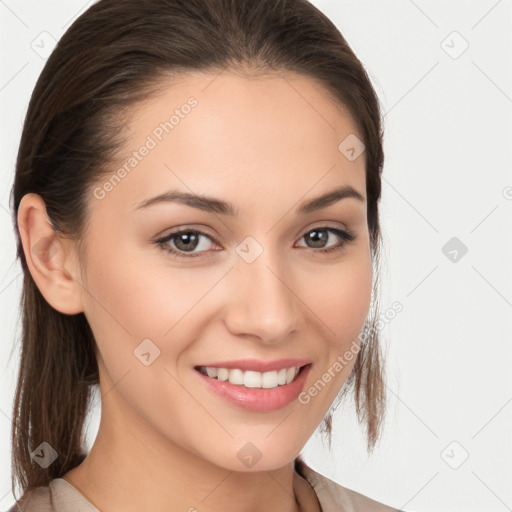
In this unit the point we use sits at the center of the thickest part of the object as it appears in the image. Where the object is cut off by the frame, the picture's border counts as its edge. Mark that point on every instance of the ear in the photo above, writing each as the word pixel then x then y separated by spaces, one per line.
pixel 50 260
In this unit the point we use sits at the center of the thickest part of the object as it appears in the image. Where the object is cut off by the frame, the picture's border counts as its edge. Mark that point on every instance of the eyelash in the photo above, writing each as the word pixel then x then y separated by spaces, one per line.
pixel 346 237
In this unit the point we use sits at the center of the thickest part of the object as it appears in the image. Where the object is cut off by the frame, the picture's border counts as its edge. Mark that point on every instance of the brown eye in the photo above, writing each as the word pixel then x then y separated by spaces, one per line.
pixel 185 241
pixel 318 238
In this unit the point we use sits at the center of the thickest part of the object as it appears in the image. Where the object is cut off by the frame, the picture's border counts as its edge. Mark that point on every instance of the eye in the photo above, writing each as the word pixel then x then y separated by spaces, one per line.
pixel 187 240
pixel 319 236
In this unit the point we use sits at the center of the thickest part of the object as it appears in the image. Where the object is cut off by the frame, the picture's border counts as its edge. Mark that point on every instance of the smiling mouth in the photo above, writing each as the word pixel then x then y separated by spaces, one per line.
pixel 253 379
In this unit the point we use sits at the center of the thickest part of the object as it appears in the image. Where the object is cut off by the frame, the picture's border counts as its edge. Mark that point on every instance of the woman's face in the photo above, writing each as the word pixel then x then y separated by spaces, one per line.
pixel 253 284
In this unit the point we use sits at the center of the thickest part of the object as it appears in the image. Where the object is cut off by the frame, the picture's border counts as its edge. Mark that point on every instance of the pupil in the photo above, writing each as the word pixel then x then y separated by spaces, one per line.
pixel 316 236
pixel 187 239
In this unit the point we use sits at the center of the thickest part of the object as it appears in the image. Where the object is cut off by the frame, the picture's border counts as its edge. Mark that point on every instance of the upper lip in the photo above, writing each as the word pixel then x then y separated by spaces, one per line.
pixel 256 365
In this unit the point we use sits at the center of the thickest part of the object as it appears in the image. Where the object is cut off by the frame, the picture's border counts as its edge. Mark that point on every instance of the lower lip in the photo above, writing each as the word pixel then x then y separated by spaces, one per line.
pixel 258 399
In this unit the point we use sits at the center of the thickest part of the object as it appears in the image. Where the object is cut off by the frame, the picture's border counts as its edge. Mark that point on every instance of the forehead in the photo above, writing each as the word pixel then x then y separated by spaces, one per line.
pixel 246 137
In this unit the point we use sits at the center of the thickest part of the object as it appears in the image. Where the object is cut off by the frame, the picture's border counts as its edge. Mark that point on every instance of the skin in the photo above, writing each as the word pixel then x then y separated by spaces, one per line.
pixel 165 441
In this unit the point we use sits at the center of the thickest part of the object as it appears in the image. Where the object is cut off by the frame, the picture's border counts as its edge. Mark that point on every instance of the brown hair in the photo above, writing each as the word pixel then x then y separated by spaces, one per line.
pixel 114 55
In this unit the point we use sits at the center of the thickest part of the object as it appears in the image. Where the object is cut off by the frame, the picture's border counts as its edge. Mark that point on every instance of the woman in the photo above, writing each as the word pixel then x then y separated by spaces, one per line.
pixel 196 210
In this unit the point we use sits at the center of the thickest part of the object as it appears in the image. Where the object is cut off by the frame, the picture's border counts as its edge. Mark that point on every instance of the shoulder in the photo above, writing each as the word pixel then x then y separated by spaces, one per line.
pixel 37 499
pixel 333 496
pixel 58 496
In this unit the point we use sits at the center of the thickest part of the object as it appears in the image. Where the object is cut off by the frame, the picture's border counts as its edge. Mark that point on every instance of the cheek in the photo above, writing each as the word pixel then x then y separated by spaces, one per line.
pixel 341 298
pixel 132 297
pixel 130 303
pixel 340 303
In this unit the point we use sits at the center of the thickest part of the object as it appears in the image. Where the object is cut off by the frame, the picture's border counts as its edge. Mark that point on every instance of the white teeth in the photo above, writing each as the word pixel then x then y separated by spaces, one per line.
pixel 212 372
pixel 269 379
pixel 222 374
pixel 251 379
pixel 236 376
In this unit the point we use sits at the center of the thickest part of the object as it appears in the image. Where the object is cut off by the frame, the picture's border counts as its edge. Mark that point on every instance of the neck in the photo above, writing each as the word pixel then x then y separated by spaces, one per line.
pixel 154 474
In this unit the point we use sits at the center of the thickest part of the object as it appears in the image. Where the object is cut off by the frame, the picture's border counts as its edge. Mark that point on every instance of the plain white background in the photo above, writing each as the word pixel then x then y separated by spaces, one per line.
pixel 442 71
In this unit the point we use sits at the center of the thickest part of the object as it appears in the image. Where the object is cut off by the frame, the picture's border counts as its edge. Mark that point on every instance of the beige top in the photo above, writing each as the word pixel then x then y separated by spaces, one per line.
pixel 61 496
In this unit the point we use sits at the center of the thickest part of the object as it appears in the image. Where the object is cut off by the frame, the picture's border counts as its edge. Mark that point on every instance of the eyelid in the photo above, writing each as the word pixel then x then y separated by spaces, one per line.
pixel 344 234
pixel 203 230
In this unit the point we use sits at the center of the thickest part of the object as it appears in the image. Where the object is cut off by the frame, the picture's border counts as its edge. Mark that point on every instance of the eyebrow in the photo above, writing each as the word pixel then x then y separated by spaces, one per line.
pixel 214 205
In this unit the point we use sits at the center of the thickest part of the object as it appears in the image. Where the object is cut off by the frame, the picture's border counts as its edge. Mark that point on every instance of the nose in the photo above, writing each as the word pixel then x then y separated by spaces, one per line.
pixel 263 302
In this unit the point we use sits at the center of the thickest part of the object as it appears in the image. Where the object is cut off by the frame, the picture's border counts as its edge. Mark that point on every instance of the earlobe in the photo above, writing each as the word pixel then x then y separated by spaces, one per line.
pixel 47 258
